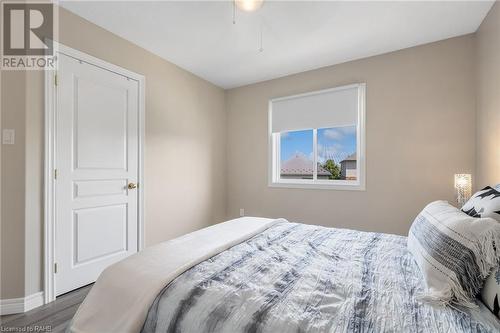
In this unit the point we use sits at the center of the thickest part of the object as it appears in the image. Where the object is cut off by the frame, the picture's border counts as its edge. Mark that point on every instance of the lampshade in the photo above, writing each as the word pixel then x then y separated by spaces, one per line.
pixel 249 5
pixel 463 186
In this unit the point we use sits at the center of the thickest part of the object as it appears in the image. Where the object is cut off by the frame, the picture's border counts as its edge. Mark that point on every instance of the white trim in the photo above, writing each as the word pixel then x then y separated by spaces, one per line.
pixel 33 301
pixel 318 186
pixel 11 306
pixel 271 146
pixel 49 203
pixel 315 155
pixel 361 137
pixel 49 208
pixel 274 156
pixel 22 304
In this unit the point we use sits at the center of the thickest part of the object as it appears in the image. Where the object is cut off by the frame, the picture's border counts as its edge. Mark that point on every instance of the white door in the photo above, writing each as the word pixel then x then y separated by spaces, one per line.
pixel 97 159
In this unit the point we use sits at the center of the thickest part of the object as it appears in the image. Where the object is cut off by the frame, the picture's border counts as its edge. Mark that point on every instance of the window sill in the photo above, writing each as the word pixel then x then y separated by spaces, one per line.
pixel 319 186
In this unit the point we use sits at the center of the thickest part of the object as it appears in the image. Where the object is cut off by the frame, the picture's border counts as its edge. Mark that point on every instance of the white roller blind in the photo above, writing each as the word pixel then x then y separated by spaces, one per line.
pixel 329 108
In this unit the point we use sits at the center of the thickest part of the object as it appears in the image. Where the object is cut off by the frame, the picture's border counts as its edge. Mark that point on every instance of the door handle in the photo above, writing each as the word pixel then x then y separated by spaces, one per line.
pixel 132 186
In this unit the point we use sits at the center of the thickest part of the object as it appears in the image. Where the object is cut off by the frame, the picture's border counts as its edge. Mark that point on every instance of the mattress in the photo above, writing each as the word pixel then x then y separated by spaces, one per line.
pixel 301 278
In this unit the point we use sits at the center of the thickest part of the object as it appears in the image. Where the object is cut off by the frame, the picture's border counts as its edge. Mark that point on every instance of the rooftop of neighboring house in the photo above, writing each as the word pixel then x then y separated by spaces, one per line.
pixel 301 165
pixel 351 157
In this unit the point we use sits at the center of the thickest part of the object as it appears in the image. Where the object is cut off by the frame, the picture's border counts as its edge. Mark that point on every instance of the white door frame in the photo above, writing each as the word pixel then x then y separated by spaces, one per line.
pixel 50 158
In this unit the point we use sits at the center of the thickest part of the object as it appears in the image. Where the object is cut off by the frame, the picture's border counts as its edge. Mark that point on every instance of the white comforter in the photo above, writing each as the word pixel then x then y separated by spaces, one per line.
pixel 120 299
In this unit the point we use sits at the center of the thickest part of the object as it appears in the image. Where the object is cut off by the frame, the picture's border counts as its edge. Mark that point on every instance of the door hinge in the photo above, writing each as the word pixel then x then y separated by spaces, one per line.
pixel 55 79
pixel 55 268
pixel 55 173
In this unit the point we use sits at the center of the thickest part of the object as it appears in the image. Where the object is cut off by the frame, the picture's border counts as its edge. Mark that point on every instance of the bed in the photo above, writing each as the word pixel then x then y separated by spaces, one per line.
pixel 263 275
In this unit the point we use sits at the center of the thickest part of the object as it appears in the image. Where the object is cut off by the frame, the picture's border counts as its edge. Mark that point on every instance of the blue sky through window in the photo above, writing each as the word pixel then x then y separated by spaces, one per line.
pixel 336 143
pixel 333 143
pixel 296 142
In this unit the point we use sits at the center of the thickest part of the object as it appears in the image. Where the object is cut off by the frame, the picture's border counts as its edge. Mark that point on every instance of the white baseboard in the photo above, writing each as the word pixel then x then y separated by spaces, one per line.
pixel 33 301
pixel 10 306
pixel 22 304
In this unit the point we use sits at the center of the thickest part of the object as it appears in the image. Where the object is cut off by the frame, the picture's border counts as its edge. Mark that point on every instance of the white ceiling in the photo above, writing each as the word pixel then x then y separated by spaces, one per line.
pixel 297 36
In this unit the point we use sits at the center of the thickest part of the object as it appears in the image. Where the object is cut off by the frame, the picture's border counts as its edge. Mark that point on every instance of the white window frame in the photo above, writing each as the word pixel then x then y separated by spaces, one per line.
pixel 274 149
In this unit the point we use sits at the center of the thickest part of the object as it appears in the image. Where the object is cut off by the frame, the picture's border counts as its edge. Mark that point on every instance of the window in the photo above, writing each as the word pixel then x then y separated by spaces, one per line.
pixel 296 155
pixel 316 139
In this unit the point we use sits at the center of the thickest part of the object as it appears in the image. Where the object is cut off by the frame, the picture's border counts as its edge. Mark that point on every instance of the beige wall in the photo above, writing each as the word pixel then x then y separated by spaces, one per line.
pixel 488 100
pixel 34 114
pixel 419 132
pixel 13 183
pixel 185 155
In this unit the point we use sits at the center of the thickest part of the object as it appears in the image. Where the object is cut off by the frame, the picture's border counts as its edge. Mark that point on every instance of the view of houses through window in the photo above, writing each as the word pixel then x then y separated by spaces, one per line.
pixel 336 154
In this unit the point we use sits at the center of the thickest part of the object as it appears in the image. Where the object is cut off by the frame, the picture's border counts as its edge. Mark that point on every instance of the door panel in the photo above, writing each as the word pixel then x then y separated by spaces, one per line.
pixel 111 238
pixel 95 188
pixel 95 128
pixel 96 157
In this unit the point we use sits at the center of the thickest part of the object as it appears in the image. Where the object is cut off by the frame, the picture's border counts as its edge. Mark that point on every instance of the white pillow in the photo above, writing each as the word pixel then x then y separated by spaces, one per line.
pixel 484 203
pixel 491 290
pixel 455 252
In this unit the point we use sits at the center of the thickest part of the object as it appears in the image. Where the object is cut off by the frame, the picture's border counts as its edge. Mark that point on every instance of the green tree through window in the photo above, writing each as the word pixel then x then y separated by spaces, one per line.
pixel 333 168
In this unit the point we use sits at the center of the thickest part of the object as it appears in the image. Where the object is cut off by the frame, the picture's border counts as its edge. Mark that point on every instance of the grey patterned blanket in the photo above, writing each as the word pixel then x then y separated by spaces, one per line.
pixel 303 278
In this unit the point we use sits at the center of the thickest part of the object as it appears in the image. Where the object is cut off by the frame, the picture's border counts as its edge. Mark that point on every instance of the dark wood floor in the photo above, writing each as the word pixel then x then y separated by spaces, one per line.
pixel 52 317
